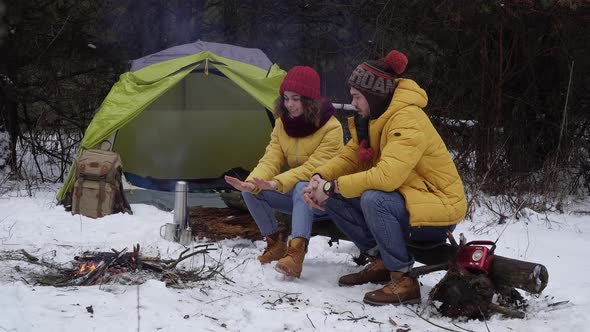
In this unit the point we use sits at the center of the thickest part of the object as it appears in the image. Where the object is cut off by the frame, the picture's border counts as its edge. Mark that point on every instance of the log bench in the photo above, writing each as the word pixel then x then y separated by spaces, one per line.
pixel 221 223
pixel 508 272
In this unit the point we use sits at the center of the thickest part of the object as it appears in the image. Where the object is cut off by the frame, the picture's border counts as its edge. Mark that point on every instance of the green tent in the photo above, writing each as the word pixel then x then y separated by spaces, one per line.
pixel 193 112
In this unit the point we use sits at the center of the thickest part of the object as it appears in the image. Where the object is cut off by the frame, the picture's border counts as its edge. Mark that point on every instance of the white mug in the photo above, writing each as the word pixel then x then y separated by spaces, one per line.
pixel 170 231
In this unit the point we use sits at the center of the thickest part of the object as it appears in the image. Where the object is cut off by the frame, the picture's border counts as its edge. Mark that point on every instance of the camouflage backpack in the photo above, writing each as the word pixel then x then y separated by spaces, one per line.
pixel 98 190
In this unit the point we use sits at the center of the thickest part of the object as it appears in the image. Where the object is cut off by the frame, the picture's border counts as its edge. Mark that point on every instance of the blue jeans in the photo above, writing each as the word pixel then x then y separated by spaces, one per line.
pixel 262 208
pixel 379 221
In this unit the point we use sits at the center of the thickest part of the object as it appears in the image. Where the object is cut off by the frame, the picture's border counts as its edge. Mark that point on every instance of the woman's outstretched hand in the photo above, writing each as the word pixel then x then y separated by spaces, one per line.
pixel 240 185
pixel 265 185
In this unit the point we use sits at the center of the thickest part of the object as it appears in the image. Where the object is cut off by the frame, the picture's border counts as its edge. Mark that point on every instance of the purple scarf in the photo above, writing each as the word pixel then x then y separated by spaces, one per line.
pixel 299 127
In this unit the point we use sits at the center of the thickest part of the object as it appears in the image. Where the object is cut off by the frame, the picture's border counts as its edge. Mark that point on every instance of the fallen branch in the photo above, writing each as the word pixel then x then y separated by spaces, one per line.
pixel 182 257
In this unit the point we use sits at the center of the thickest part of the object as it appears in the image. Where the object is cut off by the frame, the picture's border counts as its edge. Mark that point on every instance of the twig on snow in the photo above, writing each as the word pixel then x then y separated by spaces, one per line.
pixel 307 315
pixel 30 257
pixel 225 297
pixel 462 328
pixel 426 320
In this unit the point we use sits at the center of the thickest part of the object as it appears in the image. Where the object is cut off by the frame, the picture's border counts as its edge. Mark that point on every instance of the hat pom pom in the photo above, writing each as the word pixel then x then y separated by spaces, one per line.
pixel 397 61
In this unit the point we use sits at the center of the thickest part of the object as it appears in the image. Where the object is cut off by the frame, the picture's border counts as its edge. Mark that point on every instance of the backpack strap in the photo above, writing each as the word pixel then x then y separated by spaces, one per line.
pixel 101 197
pixel 78 194
pixel 126 206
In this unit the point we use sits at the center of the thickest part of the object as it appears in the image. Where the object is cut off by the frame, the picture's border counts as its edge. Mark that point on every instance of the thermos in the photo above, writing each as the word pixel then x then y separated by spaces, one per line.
pixel 181 218
pixel 180 205
pixel 180 230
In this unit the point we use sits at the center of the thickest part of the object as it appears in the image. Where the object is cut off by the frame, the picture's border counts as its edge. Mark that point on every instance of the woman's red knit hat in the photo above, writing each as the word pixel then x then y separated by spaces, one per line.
pixel 303 80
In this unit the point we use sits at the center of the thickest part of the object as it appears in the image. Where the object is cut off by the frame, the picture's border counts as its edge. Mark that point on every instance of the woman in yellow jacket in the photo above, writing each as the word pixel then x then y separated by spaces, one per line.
pixel 306 135
pixel 394 181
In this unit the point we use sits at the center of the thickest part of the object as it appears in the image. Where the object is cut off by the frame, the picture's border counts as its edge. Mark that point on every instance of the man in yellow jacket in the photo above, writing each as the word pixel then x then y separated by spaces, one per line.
pixel 394 181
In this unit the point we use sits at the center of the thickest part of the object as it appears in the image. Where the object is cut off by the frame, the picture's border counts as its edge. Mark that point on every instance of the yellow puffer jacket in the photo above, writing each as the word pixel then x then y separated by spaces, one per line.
pixel 410 156
pixel 302 154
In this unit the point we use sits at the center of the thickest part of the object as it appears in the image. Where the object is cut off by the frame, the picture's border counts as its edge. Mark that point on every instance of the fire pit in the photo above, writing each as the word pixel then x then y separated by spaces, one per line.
pixel 97 268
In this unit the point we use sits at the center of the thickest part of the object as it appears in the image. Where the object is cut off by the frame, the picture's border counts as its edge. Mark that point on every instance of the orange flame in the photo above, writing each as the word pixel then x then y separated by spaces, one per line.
pixel 87 266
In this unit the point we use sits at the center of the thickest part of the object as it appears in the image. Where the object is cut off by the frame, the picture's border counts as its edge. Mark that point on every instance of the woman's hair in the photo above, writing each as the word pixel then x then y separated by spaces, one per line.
pixel 311 109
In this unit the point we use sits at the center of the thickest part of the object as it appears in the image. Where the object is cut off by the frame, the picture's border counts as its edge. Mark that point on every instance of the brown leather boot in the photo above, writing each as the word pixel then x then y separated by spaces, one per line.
pixel 276 248
pixel 374 272
pixel 292 264
pixel 402 289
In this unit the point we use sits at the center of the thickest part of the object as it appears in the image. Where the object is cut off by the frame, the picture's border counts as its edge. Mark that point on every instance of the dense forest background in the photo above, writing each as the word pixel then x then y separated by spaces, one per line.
pixel 508 81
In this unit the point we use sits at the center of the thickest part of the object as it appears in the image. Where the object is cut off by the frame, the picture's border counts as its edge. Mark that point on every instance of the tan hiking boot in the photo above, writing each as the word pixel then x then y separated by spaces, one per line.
pixel 292 264
pixel 276 248
pixel 402 289
pixel 374 272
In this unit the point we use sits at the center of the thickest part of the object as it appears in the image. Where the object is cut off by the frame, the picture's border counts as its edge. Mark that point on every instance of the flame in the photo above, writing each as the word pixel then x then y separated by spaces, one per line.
pixel 87 266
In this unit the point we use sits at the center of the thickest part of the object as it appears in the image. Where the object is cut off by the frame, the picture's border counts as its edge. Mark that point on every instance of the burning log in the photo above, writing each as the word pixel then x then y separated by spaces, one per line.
pixel 95 274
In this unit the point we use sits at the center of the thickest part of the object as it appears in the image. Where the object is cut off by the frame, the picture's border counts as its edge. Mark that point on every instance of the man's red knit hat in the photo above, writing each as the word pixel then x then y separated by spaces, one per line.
pixel 377 77
pixel 303 80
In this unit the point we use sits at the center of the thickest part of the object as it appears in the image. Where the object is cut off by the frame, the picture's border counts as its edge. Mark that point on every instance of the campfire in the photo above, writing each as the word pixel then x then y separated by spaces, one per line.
pixel 87 267
pixel 96 268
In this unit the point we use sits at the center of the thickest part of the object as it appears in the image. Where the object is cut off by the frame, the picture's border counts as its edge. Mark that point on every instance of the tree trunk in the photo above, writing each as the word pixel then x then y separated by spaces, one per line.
pixel 9 116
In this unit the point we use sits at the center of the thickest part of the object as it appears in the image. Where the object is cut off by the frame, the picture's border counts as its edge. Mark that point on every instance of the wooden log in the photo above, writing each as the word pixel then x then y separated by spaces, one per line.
pixel 528 276
pixel 425 269
pixel 505 272
pixel 431 253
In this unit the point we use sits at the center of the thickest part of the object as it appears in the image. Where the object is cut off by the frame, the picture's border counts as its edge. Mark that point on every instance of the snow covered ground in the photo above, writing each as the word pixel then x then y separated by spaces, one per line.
pixel 254 297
